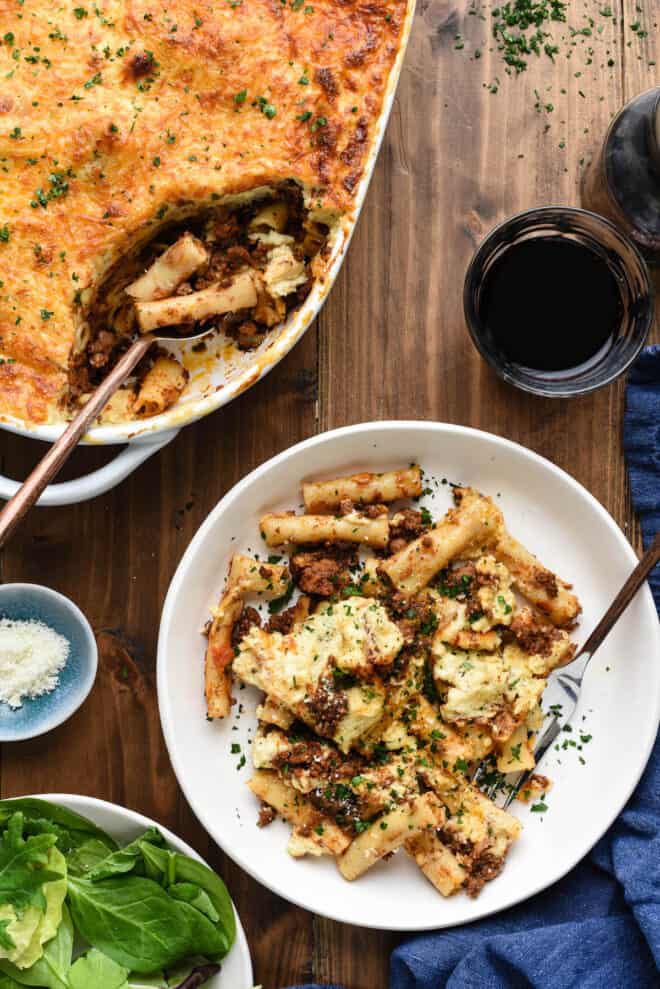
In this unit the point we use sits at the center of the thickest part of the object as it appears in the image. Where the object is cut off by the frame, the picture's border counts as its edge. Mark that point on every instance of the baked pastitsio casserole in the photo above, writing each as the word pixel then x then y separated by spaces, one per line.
pixel 412 651
pixel 172 164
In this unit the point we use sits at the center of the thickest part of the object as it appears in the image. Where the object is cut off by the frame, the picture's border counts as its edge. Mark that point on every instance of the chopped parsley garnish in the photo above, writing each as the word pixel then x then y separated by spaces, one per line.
pixel 539 808
pixel 454 589
pixel 58 188
pixel 429 625
pixel 277 604
pixel 266 108
pixel 342 680
pixel 4 233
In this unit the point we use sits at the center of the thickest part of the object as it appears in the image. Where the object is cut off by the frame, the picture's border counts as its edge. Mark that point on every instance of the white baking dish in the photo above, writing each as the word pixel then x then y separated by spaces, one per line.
pixel 215 380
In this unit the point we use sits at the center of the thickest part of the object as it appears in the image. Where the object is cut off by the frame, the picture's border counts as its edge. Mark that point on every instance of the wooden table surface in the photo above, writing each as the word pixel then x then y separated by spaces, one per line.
pixel 390 343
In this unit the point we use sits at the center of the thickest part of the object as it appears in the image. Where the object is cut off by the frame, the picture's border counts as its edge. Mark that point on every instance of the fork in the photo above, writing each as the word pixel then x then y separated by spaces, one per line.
pixel 572 675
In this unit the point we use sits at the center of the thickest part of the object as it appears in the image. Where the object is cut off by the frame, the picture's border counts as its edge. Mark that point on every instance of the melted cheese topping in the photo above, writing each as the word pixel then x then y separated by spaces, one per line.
pixel 480 685
pixel 355 637
pixel 120 116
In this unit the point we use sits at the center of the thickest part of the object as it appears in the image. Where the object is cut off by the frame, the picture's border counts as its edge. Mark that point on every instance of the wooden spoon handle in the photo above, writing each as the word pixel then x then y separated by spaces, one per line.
pixel 18 506
pixel 624 597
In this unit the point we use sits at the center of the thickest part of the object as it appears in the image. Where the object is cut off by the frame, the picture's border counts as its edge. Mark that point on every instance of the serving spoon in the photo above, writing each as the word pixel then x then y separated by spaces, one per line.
pixel 50 465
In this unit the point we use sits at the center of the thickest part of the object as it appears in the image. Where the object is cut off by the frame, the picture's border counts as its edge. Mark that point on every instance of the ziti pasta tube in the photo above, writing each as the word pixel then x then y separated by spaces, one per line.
pixel 252 576
pixel 389 832
pixel 476 521
pixel 161 387
pixel 549 593
pixel 281 528
pixel 293 806
pixel 362 489
pixel 219 655
pixel 437 862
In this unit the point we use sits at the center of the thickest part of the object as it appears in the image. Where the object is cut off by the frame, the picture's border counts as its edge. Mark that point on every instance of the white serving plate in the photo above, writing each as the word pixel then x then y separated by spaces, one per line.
pixel 571 533
pixel 124 825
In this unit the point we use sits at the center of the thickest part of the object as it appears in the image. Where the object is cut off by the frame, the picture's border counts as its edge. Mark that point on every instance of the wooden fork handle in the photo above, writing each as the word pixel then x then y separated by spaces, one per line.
pixel 18 506
pixel 624 597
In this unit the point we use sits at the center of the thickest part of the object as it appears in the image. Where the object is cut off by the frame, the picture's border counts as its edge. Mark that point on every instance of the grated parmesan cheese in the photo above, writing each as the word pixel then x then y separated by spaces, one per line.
pixel 31 657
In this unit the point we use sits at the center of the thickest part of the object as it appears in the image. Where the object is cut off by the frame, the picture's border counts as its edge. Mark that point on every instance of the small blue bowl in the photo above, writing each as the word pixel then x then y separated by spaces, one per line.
pixel 23 602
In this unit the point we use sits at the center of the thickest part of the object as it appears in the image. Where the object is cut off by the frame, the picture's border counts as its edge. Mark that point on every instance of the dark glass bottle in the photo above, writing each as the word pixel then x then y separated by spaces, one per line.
pixel 623 180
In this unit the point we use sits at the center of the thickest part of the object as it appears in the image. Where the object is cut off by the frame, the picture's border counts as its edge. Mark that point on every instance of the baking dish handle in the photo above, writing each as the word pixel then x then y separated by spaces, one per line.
pixel 98 481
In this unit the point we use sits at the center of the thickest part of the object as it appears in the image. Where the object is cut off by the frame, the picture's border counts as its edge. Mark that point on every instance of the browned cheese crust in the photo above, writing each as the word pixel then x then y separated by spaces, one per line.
pixel 116 117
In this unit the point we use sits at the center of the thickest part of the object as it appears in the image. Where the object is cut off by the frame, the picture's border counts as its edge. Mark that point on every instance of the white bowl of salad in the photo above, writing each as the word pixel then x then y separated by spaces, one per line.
pixel 96 896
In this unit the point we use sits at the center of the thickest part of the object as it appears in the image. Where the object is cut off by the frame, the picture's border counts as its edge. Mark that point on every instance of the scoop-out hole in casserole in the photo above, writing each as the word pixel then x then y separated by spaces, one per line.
pixel 237 269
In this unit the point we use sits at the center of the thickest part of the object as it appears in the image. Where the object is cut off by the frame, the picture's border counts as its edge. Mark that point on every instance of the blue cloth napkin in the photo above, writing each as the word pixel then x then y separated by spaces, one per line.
pixel 599 927
pixel 641 442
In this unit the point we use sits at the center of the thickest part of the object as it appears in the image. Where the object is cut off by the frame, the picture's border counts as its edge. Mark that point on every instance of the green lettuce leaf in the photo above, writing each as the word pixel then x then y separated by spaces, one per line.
pixel 196 897
pixel 52 969
pixel 23 869
pixel 43 817
pixel 6 982
pixel 6 940
pixel 136 923
pixel 82 859
pixel 124 859
pixel 170 868
pixel 49 922
pixel 95 970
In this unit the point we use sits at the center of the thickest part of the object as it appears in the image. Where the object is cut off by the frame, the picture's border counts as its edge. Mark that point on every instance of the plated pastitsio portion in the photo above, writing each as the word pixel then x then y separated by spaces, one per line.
pixel 401 652
pixel 174 165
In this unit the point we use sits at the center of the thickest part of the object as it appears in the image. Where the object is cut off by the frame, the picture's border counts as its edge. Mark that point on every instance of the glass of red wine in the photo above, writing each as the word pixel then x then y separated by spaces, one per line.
pixel 558 301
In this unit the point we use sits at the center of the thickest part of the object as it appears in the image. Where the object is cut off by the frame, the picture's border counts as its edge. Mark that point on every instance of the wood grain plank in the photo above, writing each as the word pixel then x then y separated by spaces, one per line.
pixel 457 158
pixel 115 557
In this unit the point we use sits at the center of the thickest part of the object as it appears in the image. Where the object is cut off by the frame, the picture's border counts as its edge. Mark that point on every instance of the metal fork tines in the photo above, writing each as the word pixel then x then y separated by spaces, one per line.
pixel 504 789
pixel 570 681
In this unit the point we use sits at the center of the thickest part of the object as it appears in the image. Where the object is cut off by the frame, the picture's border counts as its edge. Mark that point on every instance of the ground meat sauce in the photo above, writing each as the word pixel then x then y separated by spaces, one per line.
pixel 327 706
pixel 248 618
pixel 486 867
pixel 339 802
pixel 533 638
pixel 408 526
pixel 456 844
pixel 547 581
pixel 324 571
pixel 266 815
pixel 112 321
pixel 323 759
pixel 283 622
